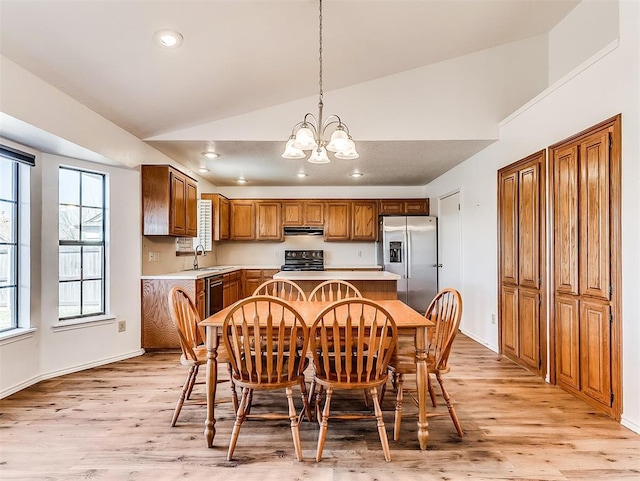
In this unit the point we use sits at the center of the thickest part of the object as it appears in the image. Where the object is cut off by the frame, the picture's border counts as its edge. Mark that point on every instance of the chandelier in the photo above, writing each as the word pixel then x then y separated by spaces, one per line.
pixel 311 133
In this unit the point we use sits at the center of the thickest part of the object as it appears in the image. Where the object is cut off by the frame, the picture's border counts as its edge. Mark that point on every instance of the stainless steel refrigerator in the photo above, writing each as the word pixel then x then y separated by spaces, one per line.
pixel 408 246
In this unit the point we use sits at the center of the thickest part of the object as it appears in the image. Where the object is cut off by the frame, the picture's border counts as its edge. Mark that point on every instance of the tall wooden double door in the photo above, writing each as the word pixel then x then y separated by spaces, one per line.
pixel 521 209
pixel 584 246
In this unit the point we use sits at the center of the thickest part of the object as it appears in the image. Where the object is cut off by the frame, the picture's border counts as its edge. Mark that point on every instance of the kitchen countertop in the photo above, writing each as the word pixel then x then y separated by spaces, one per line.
pixel 196 274
pixel 341 275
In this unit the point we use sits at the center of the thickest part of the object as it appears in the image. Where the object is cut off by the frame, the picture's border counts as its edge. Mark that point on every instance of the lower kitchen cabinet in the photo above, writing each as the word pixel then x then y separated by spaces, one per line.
pixel 232 287
pixel 252 278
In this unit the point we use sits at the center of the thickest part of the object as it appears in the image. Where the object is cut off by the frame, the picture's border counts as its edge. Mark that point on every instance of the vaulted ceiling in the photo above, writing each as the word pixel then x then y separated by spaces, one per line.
pixel 241 57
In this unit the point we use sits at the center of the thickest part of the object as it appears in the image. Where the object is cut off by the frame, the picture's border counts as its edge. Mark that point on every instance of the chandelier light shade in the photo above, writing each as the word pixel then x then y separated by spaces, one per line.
pixel 311 134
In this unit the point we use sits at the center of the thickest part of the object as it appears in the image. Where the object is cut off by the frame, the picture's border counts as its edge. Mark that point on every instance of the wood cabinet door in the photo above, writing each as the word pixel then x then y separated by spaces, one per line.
pixel 509 320
pixel 269 221
pixel 595 342
pixel 191 208
pixel 391 207
pixel 529 227
pixel 243 220
pixel 595 254
pixel 337 222
pixel 529 327
pixel 178 205
pixel 509 228
pixel 292 213
pixel 200 297
pixel 313 213
pixel 416 206
pixel 365 220
pixel 222 224
pixel 567 338
pixel 565 220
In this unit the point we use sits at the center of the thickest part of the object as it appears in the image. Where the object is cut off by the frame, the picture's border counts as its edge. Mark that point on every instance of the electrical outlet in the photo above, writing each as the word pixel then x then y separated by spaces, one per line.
pixel 122 326
pixel 493 318
pixel 152 256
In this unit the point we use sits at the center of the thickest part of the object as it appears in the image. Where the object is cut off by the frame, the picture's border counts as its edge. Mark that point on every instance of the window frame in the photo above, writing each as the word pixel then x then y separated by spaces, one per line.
pixel 15 313
pixel 85 243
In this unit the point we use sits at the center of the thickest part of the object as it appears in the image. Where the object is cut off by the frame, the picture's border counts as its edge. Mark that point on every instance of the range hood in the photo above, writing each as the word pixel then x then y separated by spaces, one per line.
pixel 303 230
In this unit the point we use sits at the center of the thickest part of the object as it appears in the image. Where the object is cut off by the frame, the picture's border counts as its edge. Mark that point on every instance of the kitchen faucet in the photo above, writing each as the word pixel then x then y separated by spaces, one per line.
pixel 195 256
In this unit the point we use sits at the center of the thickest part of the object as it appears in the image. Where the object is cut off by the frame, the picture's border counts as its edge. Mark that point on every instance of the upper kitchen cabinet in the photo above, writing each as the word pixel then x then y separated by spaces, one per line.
pixel 220 216
pixel 302 213
pixel 365 220
pixel 337 221
pixel 404 207
pixel 269 221
pixel 169 202
pixel 243 220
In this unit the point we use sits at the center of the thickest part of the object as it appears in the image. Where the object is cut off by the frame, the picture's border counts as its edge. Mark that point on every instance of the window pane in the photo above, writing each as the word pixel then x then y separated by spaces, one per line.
pixel 92 189
pixel 91 262
pixel 69 299
pixel 91 297
pixel 7 219
pixel 69 187
pixel 69 223
pixel 7 176
pixel 7 264
pixel 70 266
pixel 8 308
pixel 91 224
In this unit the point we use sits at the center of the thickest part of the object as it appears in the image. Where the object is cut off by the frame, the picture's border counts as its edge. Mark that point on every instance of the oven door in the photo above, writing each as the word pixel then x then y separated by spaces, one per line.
pixel 212 295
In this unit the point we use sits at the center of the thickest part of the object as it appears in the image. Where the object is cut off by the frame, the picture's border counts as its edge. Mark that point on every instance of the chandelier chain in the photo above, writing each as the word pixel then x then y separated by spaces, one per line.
pixel 320 52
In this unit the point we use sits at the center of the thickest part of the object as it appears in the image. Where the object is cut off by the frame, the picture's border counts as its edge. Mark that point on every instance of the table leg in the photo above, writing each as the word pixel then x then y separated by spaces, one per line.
pixel 212 380
pixel 421 381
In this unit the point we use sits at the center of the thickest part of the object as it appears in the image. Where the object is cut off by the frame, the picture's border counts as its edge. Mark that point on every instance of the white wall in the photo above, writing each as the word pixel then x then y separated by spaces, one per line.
pixel 585 97
pixel 50 352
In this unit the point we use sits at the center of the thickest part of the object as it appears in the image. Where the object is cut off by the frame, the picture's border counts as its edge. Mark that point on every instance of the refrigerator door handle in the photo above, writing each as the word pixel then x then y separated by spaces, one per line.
pixel 407 237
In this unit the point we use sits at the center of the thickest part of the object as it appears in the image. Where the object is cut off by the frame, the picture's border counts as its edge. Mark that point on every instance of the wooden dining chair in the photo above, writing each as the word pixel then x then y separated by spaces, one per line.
pixel 194 353
pixel 334 290
pixel 352 341
pixel 282 288
pixel 260 334
pixel 445 311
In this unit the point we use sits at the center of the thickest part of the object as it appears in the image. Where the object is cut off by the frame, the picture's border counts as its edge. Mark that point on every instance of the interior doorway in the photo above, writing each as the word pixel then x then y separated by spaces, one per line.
pixel 449 241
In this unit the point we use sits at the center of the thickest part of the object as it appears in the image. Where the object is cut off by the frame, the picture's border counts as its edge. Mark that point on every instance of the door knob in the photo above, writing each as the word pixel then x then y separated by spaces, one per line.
pixel 439 265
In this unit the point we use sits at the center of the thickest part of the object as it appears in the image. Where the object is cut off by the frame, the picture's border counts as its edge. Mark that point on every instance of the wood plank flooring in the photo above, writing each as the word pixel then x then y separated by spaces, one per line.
pixel 112 423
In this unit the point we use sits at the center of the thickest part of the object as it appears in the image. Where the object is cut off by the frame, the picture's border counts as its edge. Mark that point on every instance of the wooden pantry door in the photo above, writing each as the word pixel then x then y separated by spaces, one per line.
pixel 585 318
pixel 521 232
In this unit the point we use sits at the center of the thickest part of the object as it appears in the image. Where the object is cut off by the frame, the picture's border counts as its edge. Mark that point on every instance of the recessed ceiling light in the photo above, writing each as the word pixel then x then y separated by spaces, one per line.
pixel 168 38
pixel 210 155
pixel 356 174
pixel 203 170
pixel 301 175
pixel 241 180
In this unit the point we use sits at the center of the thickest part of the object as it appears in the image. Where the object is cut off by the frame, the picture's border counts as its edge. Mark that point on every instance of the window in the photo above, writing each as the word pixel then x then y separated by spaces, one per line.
pixel 81 235
pixel 8 245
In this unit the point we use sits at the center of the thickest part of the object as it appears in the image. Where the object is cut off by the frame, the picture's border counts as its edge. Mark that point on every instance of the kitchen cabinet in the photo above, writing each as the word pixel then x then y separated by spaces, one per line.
pixel 220 216
pixel 243 220
pixel 365 220
pixel 337 221
pixel 169 202
pixel 269 221
pixel 404 207
pixel 231 288
pixel 302 213
pixel 252 278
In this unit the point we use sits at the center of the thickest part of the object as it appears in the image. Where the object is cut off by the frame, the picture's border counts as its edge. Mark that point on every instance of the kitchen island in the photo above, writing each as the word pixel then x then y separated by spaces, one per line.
pixel 377 285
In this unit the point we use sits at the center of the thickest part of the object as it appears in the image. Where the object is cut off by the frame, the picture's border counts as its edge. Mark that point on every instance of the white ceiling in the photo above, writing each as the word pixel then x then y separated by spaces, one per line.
pixel 241 56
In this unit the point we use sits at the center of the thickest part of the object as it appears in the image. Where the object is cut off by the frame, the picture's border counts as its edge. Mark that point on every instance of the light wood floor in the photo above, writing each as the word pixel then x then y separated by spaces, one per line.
pixel 112 423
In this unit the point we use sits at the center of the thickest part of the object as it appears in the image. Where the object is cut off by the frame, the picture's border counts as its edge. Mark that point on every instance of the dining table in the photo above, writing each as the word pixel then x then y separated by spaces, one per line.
pixel 408 321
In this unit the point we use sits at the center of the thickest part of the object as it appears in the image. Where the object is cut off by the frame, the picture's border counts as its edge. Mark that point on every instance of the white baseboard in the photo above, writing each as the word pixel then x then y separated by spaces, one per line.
pixel 635 427
pixel 479 341
pixel 69 370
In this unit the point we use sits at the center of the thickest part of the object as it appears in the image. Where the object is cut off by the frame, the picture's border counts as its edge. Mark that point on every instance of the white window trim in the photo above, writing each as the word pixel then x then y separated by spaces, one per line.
pixel 83 322
pixel 15 335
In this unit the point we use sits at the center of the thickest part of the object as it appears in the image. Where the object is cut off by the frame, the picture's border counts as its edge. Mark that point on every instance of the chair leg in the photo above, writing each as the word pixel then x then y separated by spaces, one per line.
pixel 432 391
pixel 234 394
pixel 312 404
pixel 317 404
pixel 306 409
pixel 193 382
pixel 183 394
pixel 452 411
pixel 399 399
pixel 293 416
pixel 381 429
pixel 247 408
pixel 240 417
pixel 366 399
pixel 324 423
